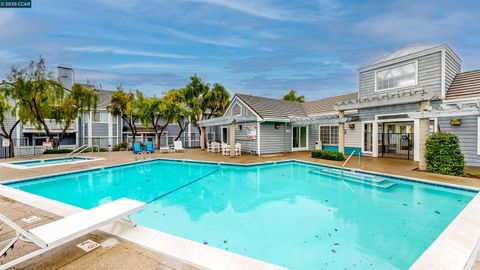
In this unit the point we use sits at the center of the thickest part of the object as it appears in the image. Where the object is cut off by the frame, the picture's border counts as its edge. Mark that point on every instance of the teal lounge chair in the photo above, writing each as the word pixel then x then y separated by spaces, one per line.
pixel 137 148
pixel 149 147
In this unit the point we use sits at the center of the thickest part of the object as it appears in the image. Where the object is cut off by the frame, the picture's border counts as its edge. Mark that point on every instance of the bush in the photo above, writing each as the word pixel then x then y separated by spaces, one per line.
pixel 324 154
pixel 123 146
pixel 57 151
pixel 443 154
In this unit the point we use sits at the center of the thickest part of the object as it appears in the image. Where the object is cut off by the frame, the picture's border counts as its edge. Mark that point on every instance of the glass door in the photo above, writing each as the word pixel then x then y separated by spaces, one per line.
pixel 299 138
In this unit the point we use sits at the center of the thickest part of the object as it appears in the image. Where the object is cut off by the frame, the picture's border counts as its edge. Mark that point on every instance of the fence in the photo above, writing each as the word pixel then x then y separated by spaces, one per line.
pixel 22 148
pixel 396 145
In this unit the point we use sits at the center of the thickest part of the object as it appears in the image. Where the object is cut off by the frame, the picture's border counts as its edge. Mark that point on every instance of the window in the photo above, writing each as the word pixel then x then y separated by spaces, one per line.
pixel 100 117
pixel 329 134
pixel 367 141
pixel 237 110
pixel 401 76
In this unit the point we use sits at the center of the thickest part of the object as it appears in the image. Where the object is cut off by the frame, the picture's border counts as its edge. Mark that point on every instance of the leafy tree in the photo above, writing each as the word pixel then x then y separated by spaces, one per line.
pixel 42 100
pixel 292 96
pixel 125 105
pixel 7 133
pixel 443 154
pixel 203 102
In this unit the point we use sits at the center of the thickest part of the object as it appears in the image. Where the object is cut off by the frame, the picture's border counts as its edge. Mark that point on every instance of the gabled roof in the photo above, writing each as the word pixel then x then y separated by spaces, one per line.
pixel 327 105
pixel 408 53
pixel 271 108
pixel 465 85
pixel 404 52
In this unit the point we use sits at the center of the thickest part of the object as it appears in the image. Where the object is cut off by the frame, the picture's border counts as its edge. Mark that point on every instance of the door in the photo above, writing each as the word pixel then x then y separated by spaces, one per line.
pixel 224 135
pixel 299 138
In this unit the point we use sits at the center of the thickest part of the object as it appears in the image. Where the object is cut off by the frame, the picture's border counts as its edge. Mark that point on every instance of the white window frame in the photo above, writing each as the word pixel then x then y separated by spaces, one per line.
pixel 363 136
pixel 100 112
pixel 320 134
pixel 478 136
pixel 307 139
pixel 395 66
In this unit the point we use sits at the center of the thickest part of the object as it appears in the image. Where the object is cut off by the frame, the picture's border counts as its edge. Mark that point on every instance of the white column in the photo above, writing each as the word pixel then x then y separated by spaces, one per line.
pixel 90 127
pixel 258 137
pixel 77 134
pixel 189 133
pixel 110 130
pixel 416 139
pixel 375 139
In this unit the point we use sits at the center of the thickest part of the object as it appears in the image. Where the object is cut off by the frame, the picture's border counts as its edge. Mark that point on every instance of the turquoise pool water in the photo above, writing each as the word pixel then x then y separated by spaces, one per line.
pixel 41 162
pixel 293 214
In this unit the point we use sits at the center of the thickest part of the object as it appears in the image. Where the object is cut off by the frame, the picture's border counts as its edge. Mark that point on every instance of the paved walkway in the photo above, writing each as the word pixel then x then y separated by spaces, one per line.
pixel 117 254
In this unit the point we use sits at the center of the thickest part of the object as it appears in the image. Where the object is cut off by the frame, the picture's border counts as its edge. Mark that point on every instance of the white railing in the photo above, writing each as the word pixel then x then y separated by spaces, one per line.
pixel 52 126
pixel 349 157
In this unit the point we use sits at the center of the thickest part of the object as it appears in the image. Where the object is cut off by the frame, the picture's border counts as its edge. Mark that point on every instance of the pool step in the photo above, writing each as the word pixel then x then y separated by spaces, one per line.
pixel 370 180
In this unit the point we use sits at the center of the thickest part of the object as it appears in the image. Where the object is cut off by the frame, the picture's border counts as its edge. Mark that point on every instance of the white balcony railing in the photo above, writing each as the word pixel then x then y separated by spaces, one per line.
pixel 52 126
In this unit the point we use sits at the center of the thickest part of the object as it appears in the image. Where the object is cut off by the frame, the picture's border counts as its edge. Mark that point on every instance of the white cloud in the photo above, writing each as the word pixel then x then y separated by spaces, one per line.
pixel 120 51
pixel 166 66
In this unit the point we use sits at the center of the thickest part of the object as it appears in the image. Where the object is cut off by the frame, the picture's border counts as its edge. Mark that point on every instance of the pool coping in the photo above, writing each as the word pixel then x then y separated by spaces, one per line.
pixel 22 167
pixel 455 248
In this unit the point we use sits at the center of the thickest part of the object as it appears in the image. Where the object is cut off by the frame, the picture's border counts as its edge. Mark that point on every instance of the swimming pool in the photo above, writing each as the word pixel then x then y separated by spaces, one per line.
pixel 46 162
pixel 293 214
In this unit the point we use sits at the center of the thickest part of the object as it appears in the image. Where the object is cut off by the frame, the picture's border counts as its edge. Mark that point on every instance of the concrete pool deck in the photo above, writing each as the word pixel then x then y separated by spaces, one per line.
pixel 133 253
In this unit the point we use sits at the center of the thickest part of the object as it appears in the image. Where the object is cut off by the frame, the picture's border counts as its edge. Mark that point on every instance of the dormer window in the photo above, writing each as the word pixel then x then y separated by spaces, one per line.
pixel 237 110
pixel 396 77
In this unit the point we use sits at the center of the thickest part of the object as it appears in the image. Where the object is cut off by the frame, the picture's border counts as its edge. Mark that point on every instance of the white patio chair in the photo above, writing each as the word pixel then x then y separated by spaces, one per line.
pixel 177 146
pixel 238 149
pixel 61 231
pixel 210 147
pixel 225 149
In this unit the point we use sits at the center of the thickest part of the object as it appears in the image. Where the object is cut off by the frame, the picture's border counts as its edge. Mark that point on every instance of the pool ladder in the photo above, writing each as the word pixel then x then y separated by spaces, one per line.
pixel 77 151
pixel 349 157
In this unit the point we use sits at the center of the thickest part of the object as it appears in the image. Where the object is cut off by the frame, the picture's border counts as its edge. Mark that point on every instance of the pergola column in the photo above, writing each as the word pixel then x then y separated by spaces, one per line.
pixel 341 133
pixel 231 128
pixel 202 138
pixel 423 132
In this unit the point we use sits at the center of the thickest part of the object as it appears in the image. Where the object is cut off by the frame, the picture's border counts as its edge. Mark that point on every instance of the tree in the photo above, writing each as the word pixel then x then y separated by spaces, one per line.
pixel 42 100
pixel 292 96
pixel 203 102
pixel 7 133
pixel 125 105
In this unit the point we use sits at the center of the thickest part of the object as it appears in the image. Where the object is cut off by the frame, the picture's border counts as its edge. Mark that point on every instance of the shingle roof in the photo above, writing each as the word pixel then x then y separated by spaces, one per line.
pixel 105 98
pixel 272 108
pixel 282 109
pixel 326 105
pixel 404 52
pixel 465 85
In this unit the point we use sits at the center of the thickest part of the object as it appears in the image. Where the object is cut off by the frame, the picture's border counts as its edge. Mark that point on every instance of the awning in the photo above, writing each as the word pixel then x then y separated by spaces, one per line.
pixel 226 120
pixel 320 119
pixel 448 110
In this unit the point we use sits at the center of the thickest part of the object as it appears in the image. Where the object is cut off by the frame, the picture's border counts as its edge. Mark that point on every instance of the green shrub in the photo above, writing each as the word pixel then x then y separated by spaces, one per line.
pixel 57 151
pixel 324 154
pixel 123 146
pixel 443 154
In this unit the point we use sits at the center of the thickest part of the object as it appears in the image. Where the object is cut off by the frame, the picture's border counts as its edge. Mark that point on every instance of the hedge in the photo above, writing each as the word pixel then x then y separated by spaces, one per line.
pixel 57 151
pixel 329 155
pixel 443 154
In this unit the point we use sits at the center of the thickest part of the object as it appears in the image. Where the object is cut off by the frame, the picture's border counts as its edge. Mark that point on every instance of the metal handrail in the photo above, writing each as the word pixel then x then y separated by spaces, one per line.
pixel 77 151
pixel 346 161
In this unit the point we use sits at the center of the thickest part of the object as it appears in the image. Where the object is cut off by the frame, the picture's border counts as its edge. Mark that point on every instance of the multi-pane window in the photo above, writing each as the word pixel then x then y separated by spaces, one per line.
pixel 100 117
pixel 329 134
pixel 401 76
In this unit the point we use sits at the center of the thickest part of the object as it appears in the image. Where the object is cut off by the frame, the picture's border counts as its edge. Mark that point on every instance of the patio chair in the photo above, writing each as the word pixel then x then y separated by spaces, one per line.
pixel 238 149
pixel 225 149
pixel 177 146
pixel 137 148
pixel 61 231
pixel 149 147
pixel 210 147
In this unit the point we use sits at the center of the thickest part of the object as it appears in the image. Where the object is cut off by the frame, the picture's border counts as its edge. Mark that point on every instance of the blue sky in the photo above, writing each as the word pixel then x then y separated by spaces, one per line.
pixel 262 47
